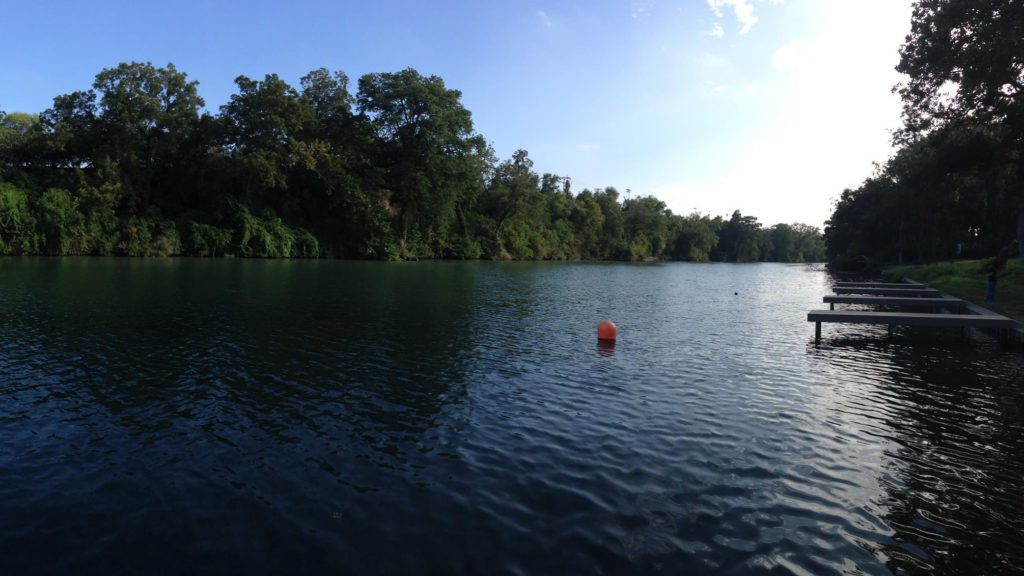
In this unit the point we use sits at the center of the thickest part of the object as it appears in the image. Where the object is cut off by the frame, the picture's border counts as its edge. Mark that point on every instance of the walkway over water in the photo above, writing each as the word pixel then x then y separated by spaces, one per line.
pixel 900 301
pixel 912 295
pixel 911 292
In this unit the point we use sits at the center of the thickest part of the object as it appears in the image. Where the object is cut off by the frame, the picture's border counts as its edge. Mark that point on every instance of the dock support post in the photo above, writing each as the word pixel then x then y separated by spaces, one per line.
pixel 891 327
pixel 817 333
pixel 831 305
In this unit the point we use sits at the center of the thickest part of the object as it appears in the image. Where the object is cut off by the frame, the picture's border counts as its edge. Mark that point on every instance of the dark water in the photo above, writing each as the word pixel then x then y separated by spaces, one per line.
pixel 184 417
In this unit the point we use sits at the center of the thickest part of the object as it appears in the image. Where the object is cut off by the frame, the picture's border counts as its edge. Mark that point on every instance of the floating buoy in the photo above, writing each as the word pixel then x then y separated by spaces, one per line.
pixel 607 330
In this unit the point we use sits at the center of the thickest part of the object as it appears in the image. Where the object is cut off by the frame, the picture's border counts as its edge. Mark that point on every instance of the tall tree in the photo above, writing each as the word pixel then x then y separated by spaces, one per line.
pixel 261 123
pixel 430 156
pixel 513 188
pixel 740 239
pixel 144 116
pixel 965 62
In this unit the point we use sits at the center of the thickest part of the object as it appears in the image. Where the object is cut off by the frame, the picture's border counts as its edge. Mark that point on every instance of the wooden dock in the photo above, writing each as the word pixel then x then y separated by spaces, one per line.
pixel 911 292
pixel 904 285
pixel 900 295
pixel 898 301
pixel 893 319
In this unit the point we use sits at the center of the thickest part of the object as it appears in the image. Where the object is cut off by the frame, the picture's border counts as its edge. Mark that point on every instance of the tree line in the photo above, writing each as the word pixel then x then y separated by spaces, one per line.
pixel 135 166
pixel 955 185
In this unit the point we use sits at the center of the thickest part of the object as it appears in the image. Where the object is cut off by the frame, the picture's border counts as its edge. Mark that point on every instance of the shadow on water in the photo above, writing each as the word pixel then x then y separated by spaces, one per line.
pixel 952 483
pixel 955 494
pixel 179 391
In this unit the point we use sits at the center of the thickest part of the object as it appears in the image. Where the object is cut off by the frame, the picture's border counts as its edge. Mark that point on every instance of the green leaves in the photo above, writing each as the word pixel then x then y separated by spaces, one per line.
pixel 428 152
pixel 964 58
pixel 134 166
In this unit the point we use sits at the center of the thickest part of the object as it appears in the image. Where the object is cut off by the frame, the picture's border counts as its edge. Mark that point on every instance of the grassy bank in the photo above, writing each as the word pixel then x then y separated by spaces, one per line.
pixel 967 279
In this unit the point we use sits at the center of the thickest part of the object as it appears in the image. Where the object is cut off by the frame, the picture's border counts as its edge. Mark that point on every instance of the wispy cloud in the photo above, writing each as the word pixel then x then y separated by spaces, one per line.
pixel 806 161
pixel 588 147
pixel 717 31
pixel 743 10
pixel 638 8
pixel 545 20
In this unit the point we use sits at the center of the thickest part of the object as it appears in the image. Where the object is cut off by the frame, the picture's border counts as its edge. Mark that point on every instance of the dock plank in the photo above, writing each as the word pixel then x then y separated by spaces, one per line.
pixel 913 302
pixel 991 321
pixel 907 285
pixel 911 292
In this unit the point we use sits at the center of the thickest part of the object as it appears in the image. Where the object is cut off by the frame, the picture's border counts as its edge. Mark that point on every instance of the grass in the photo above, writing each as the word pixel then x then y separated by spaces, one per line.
pixel 967 279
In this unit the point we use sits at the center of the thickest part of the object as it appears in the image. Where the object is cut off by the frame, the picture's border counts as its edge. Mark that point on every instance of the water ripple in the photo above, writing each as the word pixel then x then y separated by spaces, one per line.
pixel 215 416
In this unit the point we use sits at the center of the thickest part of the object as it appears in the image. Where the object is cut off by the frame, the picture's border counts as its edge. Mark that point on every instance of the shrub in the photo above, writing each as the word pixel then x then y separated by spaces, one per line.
pixel 60 223
pixel 17 223
pixel 207 240
pixel 270 237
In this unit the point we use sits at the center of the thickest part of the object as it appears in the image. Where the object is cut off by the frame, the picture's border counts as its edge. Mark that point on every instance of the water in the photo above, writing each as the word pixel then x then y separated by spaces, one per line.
pixel 189 416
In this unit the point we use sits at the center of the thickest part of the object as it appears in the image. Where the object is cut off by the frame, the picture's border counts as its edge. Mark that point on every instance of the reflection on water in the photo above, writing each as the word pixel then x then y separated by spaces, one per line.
pixel 606 348
pixel 188 416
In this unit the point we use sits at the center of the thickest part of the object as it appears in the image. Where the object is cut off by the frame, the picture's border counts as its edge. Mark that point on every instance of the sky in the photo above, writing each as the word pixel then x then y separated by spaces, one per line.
pixel 770 107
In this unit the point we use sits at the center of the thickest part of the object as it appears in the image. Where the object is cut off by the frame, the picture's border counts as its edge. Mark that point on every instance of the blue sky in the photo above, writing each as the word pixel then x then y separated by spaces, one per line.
pixel 770 107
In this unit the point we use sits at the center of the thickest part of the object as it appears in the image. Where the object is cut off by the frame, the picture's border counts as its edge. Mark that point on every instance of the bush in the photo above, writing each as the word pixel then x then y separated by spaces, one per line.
pixel 103 231
pixel 60 224
pixel 306 245
pixel 207 240
pixel 151 236
pixel 17 223
pixel 270 237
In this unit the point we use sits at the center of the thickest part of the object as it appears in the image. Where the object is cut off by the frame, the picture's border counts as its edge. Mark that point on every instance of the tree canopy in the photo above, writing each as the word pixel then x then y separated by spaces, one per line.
pixel 136 165
pixel 954 185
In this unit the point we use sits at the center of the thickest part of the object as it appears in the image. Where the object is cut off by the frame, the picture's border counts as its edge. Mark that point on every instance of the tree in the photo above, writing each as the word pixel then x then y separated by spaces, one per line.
pixel 810 243
pixel 69 131
pixel 647 225
pixel 696 236
pixel 143 118
pixel 965 62
pixel 512 190
pixel 431 160
pixel 588 225
pixel 332 180
pixel 16 129
pixel 261 122
pixel 740 239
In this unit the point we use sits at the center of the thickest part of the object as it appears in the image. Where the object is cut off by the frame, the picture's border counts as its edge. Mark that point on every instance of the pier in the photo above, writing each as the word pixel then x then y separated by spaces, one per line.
pixel 902 295
pixel 934 304
pixel 903 285
pixel 911 292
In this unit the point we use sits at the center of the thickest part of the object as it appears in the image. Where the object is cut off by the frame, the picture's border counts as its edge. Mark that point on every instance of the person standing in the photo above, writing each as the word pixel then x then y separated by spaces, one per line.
pixel 990 293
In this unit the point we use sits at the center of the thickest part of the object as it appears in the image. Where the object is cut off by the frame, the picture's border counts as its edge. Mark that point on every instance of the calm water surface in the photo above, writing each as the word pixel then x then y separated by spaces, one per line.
pixel 258 417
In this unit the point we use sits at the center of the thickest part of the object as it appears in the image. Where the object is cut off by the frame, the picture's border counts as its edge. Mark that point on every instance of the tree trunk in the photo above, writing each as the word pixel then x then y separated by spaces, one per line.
pixel 1020 231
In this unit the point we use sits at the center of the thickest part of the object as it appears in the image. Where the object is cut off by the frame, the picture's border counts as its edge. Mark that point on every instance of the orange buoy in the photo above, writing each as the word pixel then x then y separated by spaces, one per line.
pixel 607 330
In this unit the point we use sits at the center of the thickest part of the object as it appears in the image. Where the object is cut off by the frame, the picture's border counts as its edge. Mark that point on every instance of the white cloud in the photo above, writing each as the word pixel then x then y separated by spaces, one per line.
pixel 588 147
pixel 823 124
pixel 743 10
pixel 717 31
pixel 790 55
pixel 545 20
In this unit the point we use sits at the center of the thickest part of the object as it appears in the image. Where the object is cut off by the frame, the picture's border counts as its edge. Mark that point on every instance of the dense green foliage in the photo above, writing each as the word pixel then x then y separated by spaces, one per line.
pixel 955 186
pixel 135 166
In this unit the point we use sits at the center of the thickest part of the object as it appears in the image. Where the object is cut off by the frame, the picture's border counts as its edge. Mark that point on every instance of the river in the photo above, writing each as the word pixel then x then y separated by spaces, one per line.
pixel 264 417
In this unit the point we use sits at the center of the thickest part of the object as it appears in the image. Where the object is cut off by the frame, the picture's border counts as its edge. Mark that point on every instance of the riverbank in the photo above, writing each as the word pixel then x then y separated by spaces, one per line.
pixel 966 279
